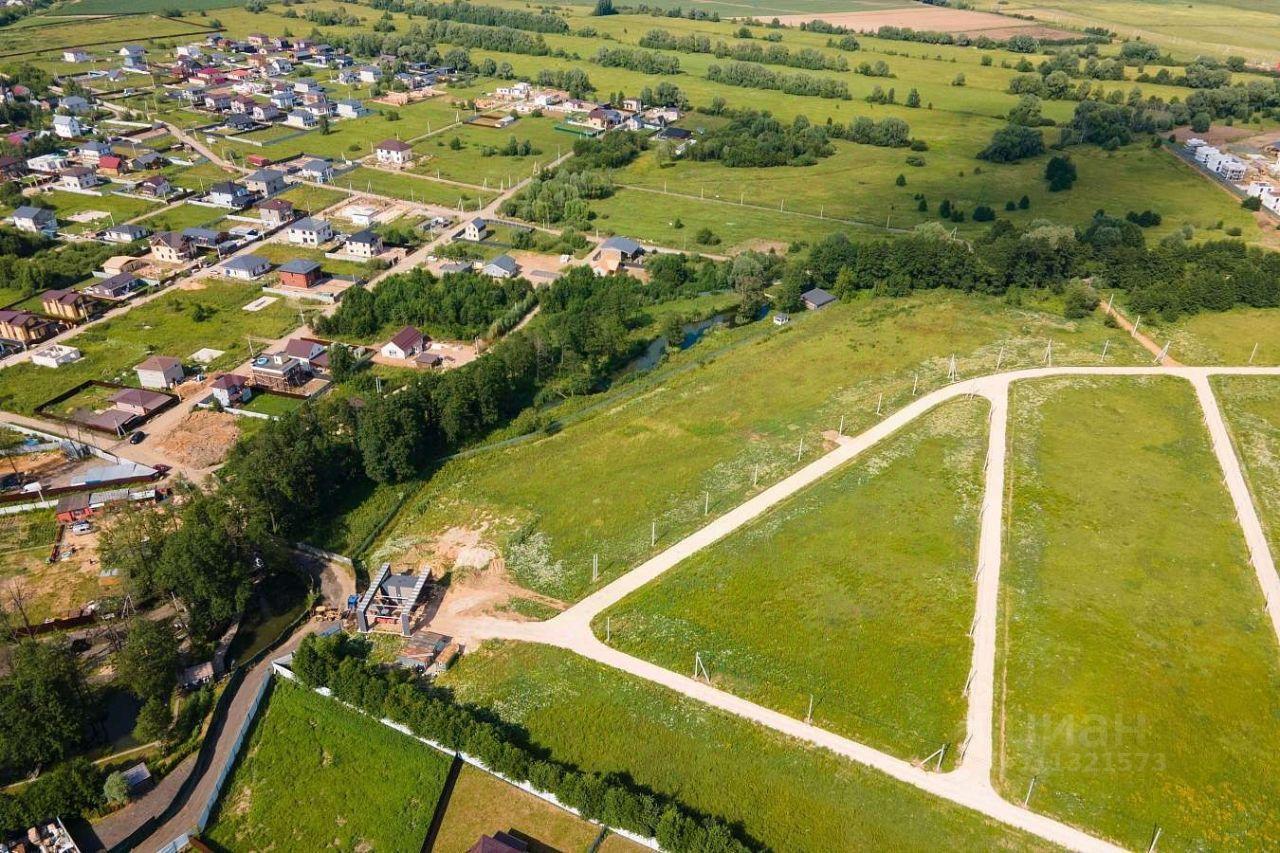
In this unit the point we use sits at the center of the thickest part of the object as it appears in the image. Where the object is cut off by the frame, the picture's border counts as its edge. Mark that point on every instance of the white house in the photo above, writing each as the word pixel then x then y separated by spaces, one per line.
pixel 503 266
pixel 363 244
pixel 36 220
pixel 370 74
pixel 78 178
pixel 159 372
pixel 74 56
pixel 351 109
pixel 301 119
pixel 68 127
pixel 317 170
pixel 475 230
pixel 393 152
pixel 309 232
pixel 407 343
pixel 246 267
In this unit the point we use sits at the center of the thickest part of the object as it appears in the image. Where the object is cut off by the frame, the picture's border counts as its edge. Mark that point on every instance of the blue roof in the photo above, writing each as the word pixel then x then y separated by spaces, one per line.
pixel 248 263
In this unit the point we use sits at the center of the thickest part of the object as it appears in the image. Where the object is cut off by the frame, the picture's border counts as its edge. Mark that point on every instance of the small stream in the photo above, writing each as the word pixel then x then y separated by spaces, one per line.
pixel 693 333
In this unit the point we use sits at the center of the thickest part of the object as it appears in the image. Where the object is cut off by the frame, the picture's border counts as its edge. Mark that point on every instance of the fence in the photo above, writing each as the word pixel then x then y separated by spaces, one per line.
pixel 247 724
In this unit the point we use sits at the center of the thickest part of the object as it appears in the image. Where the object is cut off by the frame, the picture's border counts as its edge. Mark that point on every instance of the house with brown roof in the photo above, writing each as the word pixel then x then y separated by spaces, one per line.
pixel 156 186
pixel 393 152
pixel 26 328
pixel 119 286
pixel 171 247
pixel 406 343
pixel 159 371
pixel 139 402
pixel 231 389
pixel 275 212
pixel 66 304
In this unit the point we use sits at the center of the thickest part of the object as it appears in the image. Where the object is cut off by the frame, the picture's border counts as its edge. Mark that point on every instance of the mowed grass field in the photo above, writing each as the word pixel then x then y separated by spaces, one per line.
pixel 784 795
pixel 39 35
pixel 1251 406
pixel 410 187
pixel 1138 672
pixel 167 325
pixel 469 164
pixel 315 774
pixel 694 429
pixel 834 594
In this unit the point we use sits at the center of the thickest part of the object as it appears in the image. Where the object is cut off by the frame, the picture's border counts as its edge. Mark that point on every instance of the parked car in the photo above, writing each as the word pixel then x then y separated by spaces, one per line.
pixel 81 527
pixel 137 438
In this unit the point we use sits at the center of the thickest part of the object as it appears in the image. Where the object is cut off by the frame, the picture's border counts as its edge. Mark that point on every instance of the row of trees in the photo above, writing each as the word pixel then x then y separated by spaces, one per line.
pixel 754 76
pixel 471 13
pixel 644 61
pixel 338 663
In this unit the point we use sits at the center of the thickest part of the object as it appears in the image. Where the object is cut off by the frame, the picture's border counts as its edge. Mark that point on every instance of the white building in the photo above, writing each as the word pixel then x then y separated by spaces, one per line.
pixel 55 355
pixel 67 127
pixel 309 232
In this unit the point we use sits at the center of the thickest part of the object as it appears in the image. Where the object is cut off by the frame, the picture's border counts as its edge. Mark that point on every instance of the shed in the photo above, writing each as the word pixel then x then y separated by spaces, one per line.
pixel 816 298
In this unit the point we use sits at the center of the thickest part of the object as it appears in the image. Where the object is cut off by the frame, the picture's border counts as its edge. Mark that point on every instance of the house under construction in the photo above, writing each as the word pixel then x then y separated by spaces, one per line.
pixel 391 600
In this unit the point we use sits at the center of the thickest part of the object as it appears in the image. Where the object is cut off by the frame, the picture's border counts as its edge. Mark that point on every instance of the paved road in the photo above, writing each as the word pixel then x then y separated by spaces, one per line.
pixel 970 783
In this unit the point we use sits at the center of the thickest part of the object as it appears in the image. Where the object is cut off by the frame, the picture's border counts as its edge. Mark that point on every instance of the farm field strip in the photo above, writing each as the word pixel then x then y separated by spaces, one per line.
pixel 968 785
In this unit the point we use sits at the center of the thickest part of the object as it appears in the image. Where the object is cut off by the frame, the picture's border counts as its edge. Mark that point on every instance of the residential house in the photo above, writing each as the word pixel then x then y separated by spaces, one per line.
pixel 310 352
pixel 264 113
pixel 266 181
pixel 239 123
pixel 66 304
pixel 350 109
pixel 309 232
pixel 67 127
pixel 139 402
pixel 78 178
pixel 123 233
pixel 604 118
pixel 677 138
pixel 36 220
pixel 317 170
pixel 111 164
pixel 301 119
pixel 393 152
pixel 119 286
pixel 475 230
pixel 246 267
pixel 74 104
pixel 816 298
pixel 159 371
pixel 231 389
pixel 26 328
pixel 172 247
pixel 217 101
pixel 76 56
pixel 406 343
pixel 275 212
pixel 12 168
pixel 243 105
pixel 89 153
pixel 279 371
pixel 48 164
pixel 230 194
pixel 156 186
pixel 503 266
pixel 363 244
pixel 283 99
pixel 369 74
pixel 205 238
pixel 614 254
pixel 131 50
pixel 300 273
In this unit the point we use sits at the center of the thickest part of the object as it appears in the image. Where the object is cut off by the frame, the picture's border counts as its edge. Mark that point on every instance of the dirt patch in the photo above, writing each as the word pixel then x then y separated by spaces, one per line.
pixel 934 19
pixel 761 244
pixel 192 284
pixel 1220 134
pixel 201 439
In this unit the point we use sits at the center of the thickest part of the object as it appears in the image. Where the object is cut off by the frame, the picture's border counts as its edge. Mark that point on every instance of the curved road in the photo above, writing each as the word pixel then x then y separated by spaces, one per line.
pixel 969 784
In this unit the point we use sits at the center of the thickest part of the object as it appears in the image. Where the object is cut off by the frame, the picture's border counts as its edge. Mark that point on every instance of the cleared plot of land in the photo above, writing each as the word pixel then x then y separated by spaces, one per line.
pixel 315 774
pixel 683 433
pixel 183 216
pixel 1222 337
pixel 1251 405
pixel 411 187
pixel 312 199
pixel 470 164
pixel 180 322
pixel 1140 682
pixel 29 39
pixel 858 591
pixel 933 19
pixel 482 804
pixel 784 795
pixel 77 212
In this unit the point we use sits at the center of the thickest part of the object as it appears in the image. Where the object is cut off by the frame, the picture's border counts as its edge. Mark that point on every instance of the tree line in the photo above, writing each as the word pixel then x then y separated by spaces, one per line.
pixel 541 21
pixel 643 61
pixel 755 76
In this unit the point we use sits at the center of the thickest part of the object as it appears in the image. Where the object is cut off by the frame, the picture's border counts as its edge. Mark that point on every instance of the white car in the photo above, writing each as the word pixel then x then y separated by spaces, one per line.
pixel 81 527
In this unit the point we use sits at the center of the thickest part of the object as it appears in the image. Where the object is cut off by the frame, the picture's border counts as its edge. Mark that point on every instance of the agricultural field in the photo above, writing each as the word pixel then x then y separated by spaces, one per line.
pixel 784 796
pixel 190 316
pixel 1251 406
pixel 835 568
pixel 1138 681
pixel 315 774
pixel 39 35
pixel 730 411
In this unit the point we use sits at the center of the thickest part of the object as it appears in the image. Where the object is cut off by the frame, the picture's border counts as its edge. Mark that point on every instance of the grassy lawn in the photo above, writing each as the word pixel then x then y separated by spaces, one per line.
pixel 1139 673
pixel 92 399
pixel 278 253
pixel 1251 406
pixel 835 568
pixel 111 206
pixel 784 795
pixel 469 165
pixel 596 486
pixel 183 216
pixel 167 326
pixel 315 774
pixel 483 804
pixel 1221 337
pixel 272 404
pixel 410 187
pixel 312 199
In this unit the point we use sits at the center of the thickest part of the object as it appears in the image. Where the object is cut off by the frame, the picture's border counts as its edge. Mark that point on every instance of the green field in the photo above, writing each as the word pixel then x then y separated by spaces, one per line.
pixel 315 774
pixel 40 35
pixel 1138 671
pixel 785 796
pixel 830 594
pixel 167 325
pixel 596 486
pixel 114 207
pixel 469 166
pixel 183 216
pixel 409 187
pixel 312 199
pixel 272 404
pixel 1251 406
pixel 1220 337
pixel 482 804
